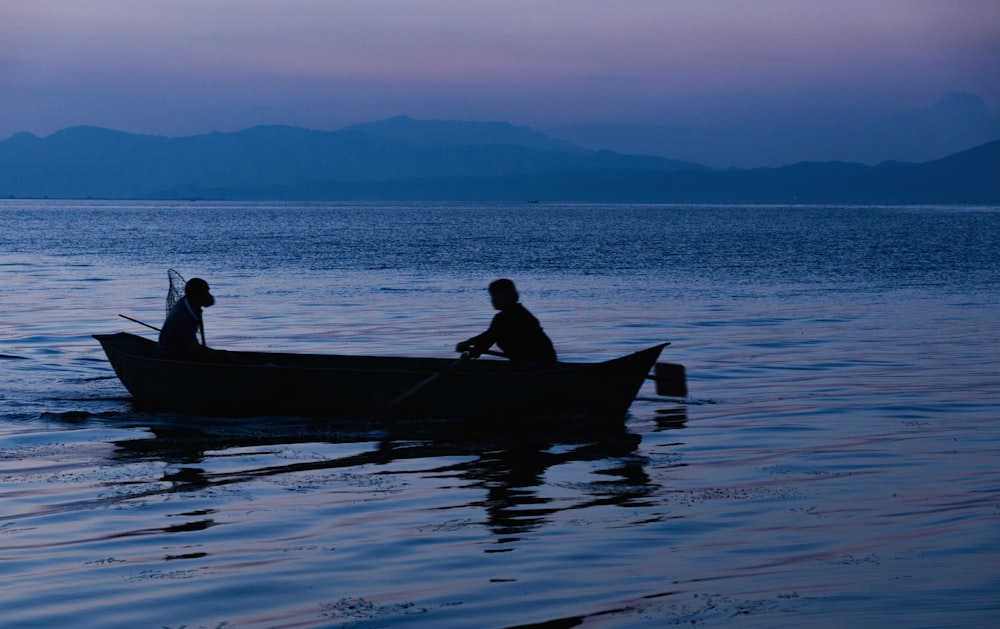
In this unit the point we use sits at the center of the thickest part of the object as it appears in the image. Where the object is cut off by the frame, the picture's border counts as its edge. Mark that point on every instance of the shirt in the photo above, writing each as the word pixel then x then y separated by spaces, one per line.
pixel 519 334
pixel 180 329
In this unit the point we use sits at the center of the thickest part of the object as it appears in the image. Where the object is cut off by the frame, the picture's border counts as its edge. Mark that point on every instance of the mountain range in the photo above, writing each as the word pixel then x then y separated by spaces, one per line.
pixel 405 159
pixel 787 135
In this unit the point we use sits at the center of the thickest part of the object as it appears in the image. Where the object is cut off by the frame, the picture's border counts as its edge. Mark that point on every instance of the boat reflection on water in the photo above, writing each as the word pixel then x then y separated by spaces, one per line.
pixel 671 418
pixel 199 455
pixel 513 477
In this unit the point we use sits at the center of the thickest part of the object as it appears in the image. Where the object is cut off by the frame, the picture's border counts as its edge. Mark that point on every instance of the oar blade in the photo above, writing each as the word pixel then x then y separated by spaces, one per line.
pixel 671 380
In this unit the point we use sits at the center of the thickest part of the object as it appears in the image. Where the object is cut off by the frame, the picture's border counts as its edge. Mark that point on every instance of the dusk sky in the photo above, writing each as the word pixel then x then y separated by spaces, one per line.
pixel 179 67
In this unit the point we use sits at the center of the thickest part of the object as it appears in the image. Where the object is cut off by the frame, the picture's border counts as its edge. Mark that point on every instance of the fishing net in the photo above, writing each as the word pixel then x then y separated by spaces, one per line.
pixel 176 290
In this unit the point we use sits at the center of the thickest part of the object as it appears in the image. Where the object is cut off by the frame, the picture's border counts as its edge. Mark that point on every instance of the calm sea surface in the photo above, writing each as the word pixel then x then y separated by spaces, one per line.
pixel 836 464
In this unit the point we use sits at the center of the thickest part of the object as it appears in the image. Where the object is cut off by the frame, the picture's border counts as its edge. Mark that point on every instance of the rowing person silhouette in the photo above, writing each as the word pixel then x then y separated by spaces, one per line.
pixel 514 330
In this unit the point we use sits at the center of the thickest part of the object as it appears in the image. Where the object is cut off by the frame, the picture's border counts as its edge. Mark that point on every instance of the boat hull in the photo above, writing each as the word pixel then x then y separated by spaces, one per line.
pixel 267 383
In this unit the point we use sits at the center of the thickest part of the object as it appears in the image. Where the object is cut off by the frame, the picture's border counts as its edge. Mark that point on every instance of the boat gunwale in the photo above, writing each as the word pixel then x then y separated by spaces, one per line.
pixel 561 368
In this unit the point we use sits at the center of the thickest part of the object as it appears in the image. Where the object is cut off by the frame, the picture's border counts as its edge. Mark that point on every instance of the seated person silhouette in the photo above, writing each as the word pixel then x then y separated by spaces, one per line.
pixel 514 330
pixel 179 335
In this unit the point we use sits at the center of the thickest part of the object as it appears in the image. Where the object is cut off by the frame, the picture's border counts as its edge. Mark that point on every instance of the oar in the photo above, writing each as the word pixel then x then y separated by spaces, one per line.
pixel 402 397
pixel 152 327
pixel 670 379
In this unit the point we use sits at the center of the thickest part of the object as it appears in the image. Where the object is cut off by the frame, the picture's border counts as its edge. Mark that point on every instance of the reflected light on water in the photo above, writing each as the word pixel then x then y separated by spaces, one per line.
pixel 834 463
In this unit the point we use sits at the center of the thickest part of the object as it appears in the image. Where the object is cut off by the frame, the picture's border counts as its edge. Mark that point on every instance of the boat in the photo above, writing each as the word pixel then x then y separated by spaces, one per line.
pixel 326 385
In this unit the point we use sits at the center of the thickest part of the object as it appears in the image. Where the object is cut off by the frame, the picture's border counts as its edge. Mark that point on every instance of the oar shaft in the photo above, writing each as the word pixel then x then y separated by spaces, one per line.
pixel 402 397
pixel 151 327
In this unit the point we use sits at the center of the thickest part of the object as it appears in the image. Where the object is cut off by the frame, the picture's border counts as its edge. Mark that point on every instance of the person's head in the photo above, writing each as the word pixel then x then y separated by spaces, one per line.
pixel 196 291
pixel 503 294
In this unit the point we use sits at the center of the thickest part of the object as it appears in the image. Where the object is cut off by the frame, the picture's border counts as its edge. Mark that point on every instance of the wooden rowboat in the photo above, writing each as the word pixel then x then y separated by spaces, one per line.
pixel 269 383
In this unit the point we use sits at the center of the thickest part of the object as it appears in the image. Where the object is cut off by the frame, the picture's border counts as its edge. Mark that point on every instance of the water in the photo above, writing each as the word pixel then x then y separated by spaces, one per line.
pixel 837 461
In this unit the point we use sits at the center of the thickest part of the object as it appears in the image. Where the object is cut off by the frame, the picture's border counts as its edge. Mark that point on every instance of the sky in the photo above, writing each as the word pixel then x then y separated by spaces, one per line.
pixel 693 70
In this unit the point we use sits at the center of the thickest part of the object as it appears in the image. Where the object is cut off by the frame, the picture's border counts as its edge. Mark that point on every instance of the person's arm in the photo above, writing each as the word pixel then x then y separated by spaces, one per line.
pixel 481 342
pixel 476 345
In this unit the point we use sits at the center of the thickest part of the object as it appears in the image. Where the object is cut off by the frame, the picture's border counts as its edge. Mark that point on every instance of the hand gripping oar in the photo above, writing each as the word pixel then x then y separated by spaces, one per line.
pixel 402 397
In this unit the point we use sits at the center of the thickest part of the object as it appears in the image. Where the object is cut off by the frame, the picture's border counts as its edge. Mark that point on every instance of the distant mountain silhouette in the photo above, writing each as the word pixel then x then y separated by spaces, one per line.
pixel 406 159
pixel 955 122
pixel 445 133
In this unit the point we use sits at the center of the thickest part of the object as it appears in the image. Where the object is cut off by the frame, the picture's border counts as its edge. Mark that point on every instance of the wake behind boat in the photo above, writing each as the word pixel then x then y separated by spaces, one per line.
pixel 329 385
